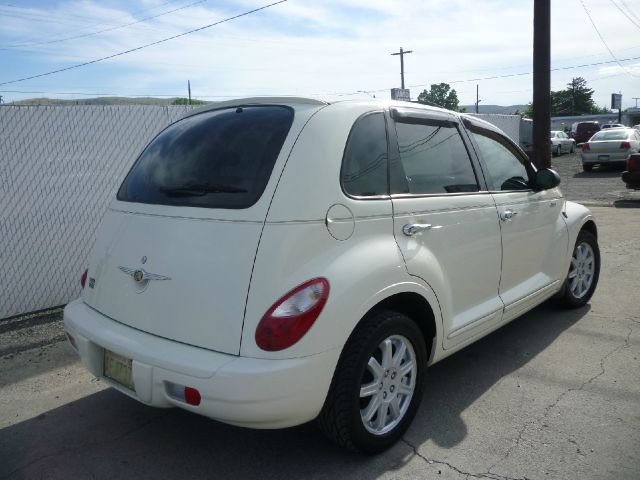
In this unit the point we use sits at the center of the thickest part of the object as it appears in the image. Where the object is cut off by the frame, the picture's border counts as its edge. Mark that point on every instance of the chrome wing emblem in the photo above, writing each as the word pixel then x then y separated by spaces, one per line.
pixel 140 274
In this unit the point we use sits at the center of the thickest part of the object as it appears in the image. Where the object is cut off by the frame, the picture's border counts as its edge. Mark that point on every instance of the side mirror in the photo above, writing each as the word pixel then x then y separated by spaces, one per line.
pixel 546 179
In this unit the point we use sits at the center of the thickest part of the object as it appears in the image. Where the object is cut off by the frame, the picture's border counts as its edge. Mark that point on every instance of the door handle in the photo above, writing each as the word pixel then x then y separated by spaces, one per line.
pixel 413 228
pixel 507 215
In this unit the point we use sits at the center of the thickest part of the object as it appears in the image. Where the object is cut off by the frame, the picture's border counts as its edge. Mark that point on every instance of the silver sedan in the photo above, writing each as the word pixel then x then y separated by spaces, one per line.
pixel 613 145
pixel 561 143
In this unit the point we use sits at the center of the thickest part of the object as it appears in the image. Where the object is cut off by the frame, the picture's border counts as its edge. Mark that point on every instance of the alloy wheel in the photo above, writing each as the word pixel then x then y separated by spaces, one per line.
pixel 582 270
pixel 388 385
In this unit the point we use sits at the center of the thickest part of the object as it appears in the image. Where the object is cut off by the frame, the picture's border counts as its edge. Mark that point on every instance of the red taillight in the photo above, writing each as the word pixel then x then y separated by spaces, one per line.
pixel 633 163
pixel 292 316
pixel 625 146
pixel 585 147
pixel 83 279
pixel 192 396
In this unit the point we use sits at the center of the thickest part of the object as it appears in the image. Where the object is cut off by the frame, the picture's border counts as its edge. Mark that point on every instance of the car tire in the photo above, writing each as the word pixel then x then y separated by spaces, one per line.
pixel 573 148
pixel 584 272
pixel 587 167
pixel 380 372
pixel 556 151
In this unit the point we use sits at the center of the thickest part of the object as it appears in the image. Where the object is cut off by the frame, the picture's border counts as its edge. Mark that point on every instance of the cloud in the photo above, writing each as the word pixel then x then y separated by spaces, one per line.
pixel 315 47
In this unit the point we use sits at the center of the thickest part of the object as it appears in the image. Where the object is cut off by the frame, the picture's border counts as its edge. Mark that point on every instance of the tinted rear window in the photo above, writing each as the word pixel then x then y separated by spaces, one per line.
pixel 217 159
pixel 588 127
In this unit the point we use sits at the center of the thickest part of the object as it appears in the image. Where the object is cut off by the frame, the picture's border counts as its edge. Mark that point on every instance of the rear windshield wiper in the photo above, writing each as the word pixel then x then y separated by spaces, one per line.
pixel 199 189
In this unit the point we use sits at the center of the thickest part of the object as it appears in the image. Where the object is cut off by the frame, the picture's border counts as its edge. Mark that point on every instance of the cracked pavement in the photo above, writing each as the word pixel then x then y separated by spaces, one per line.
pixel 553 395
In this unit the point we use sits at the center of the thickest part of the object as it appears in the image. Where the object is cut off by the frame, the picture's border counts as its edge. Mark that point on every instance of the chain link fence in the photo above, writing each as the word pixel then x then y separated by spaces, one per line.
pixel 59 167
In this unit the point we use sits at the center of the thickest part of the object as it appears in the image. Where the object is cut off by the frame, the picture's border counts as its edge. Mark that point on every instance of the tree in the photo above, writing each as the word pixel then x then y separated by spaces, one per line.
pixel 528 112
pixel 185 101
pixel 441 95
pixel 576 99
pixel 580 98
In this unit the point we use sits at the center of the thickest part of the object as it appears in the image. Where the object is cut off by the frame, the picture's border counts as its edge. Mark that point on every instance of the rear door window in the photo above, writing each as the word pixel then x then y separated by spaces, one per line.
pixel 216 159
pixel 435 159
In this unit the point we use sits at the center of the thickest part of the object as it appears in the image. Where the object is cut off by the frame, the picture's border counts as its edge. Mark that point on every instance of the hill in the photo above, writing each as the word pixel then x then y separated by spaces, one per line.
pixel 509 110
pixel 100 101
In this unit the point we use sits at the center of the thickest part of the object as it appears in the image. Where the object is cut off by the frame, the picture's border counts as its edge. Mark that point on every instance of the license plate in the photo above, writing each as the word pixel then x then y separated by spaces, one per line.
pixel 118 369
pixel 603 158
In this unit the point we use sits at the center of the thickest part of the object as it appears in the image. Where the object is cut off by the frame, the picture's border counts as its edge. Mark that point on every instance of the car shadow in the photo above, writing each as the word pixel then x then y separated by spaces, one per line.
pixel 603 171
pixel 108 435
pixel 627 203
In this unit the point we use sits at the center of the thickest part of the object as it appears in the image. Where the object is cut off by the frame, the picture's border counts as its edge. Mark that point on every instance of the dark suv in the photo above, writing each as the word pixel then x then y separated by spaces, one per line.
pixel 582 131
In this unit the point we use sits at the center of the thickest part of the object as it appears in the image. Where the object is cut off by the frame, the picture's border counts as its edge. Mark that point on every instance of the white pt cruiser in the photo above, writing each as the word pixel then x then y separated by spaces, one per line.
pixel 267 262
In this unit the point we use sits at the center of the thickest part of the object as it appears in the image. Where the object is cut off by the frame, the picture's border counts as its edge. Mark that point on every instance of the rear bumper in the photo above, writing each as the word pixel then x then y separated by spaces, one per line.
pixel 601 158
pixel 632 179
pixel 248 392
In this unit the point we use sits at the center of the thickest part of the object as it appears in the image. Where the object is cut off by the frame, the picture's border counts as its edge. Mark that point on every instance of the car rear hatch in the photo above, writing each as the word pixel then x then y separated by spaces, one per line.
pixel 175 252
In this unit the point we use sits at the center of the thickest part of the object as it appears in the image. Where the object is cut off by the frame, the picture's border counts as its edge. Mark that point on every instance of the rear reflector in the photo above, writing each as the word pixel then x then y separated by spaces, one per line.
pixel 633 163
pixel 291 317
pixel 83 279
pixel 192 396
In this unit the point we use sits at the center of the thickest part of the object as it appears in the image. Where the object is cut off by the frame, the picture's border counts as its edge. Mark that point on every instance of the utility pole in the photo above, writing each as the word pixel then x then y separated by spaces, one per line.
pixel 635 98
pixel 573 96
pixel 402 53
pixel 478 98
pixel 542 83
pixel 189 88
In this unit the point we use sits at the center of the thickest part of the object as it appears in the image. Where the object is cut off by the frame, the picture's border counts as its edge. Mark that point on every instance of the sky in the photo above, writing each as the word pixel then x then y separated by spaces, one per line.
pixel 329 49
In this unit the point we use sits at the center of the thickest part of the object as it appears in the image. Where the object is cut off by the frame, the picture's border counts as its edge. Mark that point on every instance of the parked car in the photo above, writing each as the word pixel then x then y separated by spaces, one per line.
pixel 631 176
pixel 612 125
pixel 267 262
pixel 613 145
pixel 637 127
pixel 583 131
pixel 561 143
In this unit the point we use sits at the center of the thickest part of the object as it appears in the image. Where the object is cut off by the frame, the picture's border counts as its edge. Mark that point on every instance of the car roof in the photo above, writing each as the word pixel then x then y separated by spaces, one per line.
pixel 293 101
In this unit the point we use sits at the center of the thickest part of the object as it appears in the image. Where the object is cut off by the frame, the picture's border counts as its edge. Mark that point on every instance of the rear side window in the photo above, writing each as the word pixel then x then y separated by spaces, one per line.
pixel 364 168
pixel 217 159
pixel 434 159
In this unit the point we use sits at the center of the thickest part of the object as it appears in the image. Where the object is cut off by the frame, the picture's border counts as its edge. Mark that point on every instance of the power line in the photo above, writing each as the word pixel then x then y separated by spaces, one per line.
pixel 625 14
pixel 629 10
pixel 62 17
pixel 147 45
pixel 101 31
pixel 602 39
pixel 356 92
pixel 495 77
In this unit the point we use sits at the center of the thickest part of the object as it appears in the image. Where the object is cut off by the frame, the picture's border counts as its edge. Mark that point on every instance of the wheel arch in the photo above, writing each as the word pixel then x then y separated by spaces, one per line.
pixel 415 306
pixel 590 226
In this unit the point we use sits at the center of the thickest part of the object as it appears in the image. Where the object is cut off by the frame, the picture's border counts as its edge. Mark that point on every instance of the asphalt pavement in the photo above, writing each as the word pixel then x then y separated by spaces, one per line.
pixel 603 186
pixel 553 395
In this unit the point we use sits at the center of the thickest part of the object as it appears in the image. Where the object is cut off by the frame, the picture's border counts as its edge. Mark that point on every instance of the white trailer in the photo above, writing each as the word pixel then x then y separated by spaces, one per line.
pixel 519 129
